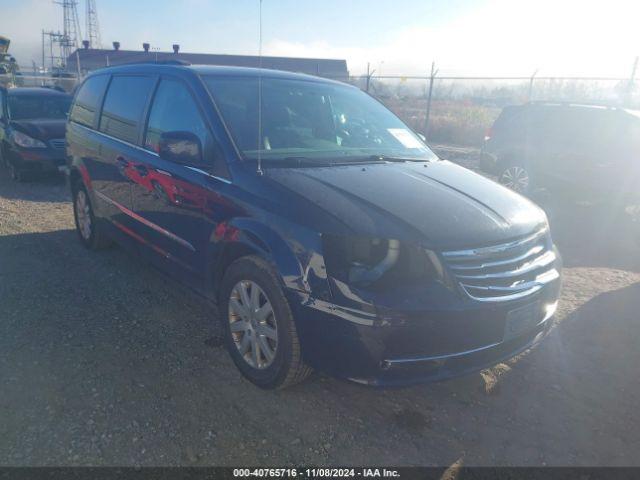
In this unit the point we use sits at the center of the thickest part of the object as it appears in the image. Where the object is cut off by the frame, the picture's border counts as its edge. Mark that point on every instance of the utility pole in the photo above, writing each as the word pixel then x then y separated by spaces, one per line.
pixel 92 26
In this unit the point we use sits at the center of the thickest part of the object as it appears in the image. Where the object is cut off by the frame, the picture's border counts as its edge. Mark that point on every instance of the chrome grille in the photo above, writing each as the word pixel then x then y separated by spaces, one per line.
pixel 507 271
pixel 58 143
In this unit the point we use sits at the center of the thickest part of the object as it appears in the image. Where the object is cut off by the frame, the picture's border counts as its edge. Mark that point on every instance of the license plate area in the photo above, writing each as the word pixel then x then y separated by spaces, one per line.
pixel 522 319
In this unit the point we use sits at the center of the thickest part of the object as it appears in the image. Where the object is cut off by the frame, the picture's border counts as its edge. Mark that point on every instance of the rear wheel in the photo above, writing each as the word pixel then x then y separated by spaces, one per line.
pixel 516 177
pixel 89 231
pixel 260 332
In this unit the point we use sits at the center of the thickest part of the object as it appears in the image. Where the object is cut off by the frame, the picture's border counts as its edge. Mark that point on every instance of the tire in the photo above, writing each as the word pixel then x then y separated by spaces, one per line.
pixel 273 331
pixel 19 175
pixel 517 177
pixel 89 230
pixel 4 160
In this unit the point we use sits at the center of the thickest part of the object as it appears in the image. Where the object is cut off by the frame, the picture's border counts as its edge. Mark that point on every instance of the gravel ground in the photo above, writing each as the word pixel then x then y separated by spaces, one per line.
pixel 105 362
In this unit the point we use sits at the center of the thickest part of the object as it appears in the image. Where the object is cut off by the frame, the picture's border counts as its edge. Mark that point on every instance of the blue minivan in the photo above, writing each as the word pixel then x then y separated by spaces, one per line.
pixel 325 230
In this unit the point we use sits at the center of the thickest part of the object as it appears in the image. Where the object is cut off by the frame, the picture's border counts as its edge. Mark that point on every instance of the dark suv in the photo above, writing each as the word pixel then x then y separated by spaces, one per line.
pixel 32 129
pixel 582 151
pixel 327 232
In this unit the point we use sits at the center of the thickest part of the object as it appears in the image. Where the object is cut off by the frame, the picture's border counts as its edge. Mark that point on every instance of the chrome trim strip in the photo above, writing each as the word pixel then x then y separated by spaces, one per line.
pixel 440 357
pixel 204 172
pixel 137 147
pixel 146 222
pixel 400 361
pixel 530 288
pixel 542 261
pixel 479 252
pixel 533 251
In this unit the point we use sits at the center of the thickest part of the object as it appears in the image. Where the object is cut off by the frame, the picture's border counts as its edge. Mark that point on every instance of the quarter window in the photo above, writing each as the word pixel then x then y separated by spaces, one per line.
pixel 87 101
pixel 123 106
pixel 174 109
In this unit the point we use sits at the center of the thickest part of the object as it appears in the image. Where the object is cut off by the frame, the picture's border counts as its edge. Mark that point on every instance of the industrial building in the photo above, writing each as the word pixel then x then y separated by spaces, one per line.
pixel 89 59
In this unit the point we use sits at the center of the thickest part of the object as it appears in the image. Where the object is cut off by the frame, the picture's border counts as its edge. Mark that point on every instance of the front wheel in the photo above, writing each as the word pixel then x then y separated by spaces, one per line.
pixel 260 332
pixel 4 159
pixel 17 173
pixel 517 178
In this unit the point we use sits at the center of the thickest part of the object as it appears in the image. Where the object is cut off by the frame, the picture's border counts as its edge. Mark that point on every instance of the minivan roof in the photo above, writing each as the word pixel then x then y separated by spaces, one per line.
pixel 213 70
pixel 599 106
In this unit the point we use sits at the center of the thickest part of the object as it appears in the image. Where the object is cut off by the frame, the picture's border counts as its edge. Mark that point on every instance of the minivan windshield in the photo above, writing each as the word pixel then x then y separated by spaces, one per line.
pixel 311 121
pixel 29 107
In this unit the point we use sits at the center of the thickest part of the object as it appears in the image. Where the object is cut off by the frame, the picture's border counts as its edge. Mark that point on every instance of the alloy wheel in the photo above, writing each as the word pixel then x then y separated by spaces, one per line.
pixel 516 178
pixel 83 214
pixel 253 324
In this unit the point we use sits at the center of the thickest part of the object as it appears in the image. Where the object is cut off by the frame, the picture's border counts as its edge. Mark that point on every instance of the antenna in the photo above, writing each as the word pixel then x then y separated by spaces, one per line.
pixel 259 171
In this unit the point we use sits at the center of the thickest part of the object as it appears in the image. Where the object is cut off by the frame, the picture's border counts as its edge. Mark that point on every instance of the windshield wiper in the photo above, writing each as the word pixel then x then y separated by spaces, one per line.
pixel 295 161
pixel 302 161
pixel 391 158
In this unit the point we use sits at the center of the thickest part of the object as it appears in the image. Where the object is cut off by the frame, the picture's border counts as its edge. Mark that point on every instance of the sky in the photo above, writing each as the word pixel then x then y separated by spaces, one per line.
pixel 396 37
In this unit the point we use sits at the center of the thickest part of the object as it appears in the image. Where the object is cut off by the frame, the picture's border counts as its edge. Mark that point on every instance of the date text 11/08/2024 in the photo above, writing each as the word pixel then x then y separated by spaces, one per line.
pixel 316 472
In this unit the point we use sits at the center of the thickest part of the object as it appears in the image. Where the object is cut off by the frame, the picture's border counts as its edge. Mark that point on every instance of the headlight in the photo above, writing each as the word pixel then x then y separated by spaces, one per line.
pixel 379 263
pixel 25 141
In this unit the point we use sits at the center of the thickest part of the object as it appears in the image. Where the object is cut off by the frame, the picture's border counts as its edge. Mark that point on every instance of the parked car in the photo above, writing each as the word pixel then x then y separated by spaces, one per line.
pixel 32 130
pixel 327 232
pixel 584 152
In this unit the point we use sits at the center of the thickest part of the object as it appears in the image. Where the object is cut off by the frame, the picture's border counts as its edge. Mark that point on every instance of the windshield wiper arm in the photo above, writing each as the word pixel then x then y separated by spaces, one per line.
pixel 296 161
pixel 391 158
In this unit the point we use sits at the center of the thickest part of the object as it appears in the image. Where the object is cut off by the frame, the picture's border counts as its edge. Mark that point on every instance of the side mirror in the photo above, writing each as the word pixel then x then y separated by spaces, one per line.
pixel 180 147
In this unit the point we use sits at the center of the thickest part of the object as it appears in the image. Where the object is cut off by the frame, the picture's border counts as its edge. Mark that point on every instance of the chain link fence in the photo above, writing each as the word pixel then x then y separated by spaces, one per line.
pixel 63 81
pixel 447 110
pixel 459 110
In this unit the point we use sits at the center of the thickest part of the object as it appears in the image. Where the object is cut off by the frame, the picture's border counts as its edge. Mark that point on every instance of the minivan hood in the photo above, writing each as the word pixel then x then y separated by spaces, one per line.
pixel 41 129
pixel 439 203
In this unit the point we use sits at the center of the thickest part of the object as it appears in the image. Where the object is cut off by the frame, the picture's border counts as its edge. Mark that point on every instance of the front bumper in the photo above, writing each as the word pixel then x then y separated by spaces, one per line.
pixel 38 160
pixel 403 348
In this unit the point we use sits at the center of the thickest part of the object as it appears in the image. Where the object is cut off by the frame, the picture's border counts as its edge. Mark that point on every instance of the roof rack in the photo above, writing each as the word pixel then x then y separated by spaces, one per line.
pixel 155 62
pixel 574 104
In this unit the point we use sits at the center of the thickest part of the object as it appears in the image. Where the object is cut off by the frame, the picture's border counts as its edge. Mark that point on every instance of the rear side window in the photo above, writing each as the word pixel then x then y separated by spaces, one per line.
pixel 174 109
pixel 124 105
pixel 521 124
pixel 88 99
